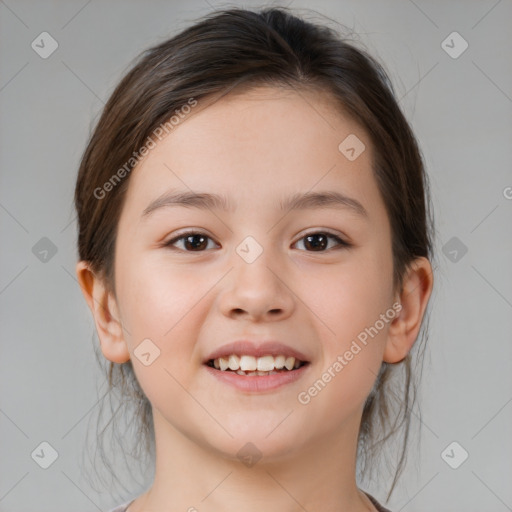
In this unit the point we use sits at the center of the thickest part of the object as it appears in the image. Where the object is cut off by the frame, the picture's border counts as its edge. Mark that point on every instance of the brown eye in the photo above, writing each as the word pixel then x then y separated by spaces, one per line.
pixel 192 242
pixel 319 241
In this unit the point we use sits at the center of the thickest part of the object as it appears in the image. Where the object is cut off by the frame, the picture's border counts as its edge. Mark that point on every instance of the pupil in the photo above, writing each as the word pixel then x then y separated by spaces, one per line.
pixel 318 244
pixel 316 241
pixel 195 237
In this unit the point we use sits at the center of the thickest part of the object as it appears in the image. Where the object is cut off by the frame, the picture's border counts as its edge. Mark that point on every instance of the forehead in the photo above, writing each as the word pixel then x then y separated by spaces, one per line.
pixel 258 145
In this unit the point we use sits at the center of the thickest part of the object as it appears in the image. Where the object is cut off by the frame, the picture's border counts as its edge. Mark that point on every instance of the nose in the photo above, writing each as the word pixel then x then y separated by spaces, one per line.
pixel 257 291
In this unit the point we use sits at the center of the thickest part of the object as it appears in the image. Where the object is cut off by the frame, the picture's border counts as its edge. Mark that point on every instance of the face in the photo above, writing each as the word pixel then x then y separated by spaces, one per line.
pixel 312 278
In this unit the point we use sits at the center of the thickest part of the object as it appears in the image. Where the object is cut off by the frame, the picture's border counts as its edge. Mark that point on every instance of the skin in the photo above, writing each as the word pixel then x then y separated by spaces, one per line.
pixel 256 147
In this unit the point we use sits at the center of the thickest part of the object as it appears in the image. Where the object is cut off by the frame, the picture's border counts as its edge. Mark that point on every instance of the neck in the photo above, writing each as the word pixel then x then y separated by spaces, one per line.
pixel 195 478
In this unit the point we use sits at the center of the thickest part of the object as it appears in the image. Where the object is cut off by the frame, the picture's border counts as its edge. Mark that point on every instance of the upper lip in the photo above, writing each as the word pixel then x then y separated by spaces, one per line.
pixel 256 349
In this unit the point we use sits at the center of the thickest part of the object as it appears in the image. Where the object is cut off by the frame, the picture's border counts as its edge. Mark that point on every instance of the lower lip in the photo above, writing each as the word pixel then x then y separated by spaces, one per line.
pixel 258 383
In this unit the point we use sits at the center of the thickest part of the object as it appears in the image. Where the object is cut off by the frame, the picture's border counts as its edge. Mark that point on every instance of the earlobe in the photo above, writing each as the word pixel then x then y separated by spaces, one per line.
pixel 414 297
pixel 105 312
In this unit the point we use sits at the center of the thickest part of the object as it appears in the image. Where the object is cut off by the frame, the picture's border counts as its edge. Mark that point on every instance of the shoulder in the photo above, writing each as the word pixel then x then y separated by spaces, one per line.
pixel 378 506
pixel 121 508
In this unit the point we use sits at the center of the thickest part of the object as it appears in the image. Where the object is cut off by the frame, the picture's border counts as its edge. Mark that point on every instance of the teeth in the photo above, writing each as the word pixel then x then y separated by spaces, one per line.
pixel 289 363
pixel 265 363
pixel 248 363
pixel 251 366
pixel 252 374
pixel 279 362
pixel 234 362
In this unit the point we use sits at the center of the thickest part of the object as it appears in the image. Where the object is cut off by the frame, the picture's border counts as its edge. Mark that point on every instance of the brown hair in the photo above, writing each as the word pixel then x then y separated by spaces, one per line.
pixel 244 48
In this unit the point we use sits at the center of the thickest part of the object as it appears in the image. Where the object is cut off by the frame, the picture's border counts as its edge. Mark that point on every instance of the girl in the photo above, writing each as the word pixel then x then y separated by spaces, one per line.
pixel 254 245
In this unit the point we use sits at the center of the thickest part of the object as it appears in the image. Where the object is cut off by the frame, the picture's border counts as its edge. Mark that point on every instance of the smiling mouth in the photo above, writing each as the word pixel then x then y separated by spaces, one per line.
pixel 256 366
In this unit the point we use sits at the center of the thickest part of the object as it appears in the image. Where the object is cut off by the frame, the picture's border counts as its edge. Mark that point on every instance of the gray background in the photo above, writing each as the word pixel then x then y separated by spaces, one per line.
pixel 460 109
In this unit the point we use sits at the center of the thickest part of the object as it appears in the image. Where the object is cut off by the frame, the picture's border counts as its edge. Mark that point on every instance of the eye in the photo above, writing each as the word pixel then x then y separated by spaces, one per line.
pixel 319 241
pixel 193 241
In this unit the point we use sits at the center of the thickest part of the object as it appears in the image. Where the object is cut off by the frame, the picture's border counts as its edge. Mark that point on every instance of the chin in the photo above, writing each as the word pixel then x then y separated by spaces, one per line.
pixel 253 442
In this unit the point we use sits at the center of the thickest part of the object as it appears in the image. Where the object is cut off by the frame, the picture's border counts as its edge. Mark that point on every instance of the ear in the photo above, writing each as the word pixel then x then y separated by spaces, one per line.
pixel 414 297
pixel 105 311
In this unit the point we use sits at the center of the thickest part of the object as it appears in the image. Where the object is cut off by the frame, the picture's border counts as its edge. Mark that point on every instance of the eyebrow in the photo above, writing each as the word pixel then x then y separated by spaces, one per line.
pixel 298 201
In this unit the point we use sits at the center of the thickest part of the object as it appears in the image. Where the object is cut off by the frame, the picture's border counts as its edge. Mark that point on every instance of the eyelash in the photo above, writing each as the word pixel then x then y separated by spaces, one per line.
pixel 341 243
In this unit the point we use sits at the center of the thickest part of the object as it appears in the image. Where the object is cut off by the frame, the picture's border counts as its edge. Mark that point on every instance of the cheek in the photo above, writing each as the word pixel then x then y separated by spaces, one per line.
pixel 161 305
pixel 160 308
pixel 350 297
pixel 350 303
pixel 353 345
